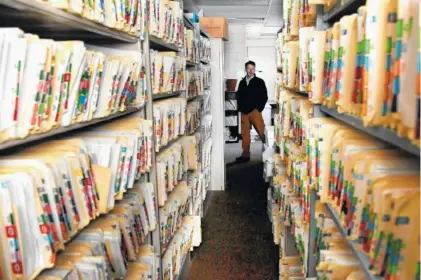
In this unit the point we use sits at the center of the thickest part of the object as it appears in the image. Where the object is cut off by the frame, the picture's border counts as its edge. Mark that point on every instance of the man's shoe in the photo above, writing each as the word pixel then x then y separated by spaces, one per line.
pixel 242 159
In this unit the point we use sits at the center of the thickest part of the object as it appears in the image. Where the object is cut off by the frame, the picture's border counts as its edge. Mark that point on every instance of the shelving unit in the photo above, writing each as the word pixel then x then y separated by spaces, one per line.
pixel 49 22
pixel 40 18
pixel 324 20
pixel 156 44
pixel 358 254
pixel 234 130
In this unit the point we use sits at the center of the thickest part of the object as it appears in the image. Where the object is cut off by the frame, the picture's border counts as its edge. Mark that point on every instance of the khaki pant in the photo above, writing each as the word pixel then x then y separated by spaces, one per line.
pixel 256 119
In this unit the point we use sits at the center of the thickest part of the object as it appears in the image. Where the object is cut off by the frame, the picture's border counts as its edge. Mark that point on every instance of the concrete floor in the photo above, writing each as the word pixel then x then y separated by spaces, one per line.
pixel 237 234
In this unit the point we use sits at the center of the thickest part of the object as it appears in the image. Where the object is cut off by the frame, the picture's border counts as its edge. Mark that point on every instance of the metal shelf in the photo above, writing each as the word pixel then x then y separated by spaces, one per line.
pixel 342 8
pixel 62 130
pixel 49 22
pixel 204 33
pixel 169 144
pixel 363 258
pixel 303 93
pixel 381 133
pixel 165 95
pixel 190 98
pixel 204 61
pixel 187 23
pixel 160 45
pixel 191 64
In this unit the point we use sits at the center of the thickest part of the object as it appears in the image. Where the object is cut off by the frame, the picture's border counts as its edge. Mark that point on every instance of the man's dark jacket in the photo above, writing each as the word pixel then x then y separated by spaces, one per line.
pixel 252 96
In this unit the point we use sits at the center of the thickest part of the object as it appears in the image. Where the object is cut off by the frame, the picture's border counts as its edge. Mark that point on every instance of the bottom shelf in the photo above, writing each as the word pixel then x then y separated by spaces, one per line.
pixel 363 258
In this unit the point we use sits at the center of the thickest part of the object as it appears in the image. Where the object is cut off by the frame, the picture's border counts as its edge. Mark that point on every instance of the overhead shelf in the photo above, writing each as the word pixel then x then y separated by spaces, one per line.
pixel 358 254
pixel 48 22
pixel 165 95
pixel 381 133
pixel 342 8
pixel 160 45
pixel 204 33
pixel 187 23
pixel 32 139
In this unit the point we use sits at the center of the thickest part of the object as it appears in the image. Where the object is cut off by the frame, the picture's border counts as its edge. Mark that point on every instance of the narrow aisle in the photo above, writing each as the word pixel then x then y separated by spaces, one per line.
pixel 237 234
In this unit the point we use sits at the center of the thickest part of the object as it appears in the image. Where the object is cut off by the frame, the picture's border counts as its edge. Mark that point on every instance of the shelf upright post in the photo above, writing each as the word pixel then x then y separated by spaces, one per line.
pixel 311 259
pixel 152 175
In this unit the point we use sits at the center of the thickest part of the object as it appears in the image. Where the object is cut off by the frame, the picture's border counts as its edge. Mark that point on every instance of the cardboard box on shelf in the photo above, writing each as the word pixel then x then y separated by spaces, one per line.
pixel 217 27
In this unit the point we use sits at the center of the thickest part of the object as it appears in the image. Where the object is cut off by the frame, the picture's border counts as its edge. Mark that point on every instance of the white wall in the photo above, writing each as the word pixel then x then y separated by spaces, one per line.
pixel 241 36
pixel 235 51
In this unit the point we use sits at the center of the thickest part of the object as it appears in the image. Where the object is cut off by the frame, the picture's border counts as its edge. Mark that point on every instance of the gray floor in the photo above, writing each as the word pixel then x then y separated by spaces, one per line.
pixel 237 235
pixel 234 150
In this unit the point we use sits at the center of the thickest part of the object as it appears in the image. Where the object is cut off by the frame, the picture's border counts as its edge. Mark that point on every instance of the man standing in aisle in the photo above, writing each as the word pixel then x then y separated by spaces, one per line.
pixel 252 97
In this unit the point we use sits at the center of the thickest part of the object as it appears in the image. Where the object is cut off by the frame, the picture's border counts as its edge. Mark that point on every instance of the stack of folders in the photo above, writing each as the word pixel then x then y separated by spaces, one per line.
pixel 288 213
pixel 47 84
pixel 231 105
pixel 166 21
pixel 52 191
pixel 168 72
pixel 192 46
pixel 173 163
pixel 204 49
pixel 207 108
pixel 333 254
pixel 169 121
pixel 195 81
pixel 206 70
pixel 104 249
pixel 206 127
pixel 179 247
pixel 206 153
pixel 372 188
pixel 279 46
pixel 231 120
pixel 290 268
pixel 374 191
pixel 193 117
pixel 127 16
pixel 124 146
pixel 197 182
pixel 171 214
pixel 98 253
